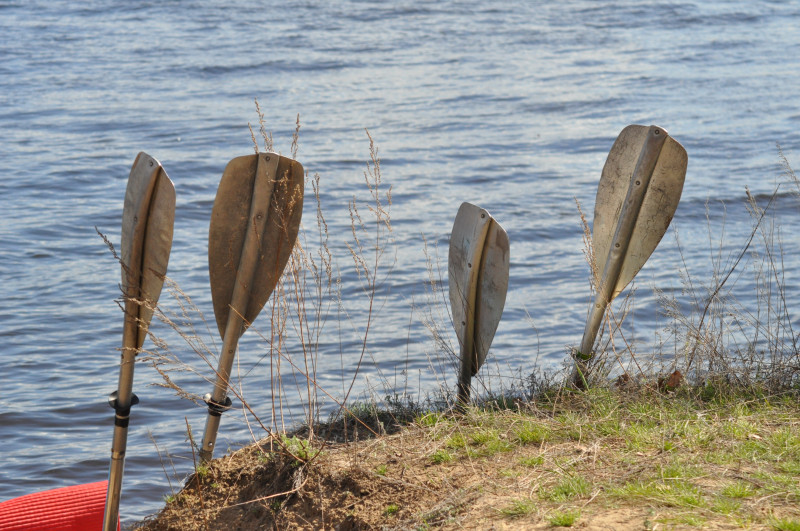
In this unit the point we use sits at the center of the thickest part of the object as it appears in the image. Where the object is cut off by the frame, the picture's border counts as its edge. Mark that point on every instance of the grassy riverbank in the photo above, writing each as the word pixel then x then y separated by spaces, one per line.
pixel 609 459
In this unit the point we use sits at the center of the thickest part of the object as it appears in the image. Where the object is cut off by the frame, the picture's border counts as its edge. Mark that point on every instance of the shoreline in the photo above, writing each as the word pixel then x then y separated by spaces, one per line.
pixel 609 458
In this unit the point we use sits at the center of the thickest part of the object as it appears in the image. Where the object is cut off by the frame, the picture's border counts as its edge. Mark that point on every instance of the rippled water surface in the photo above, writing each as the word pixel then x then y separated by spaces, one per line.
pixel 512 106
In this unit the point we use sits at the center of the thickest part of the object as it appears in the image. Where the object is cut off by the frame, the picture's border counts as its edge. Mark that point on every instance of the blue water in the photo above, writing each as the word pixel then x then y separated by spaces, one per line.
pixel 512 106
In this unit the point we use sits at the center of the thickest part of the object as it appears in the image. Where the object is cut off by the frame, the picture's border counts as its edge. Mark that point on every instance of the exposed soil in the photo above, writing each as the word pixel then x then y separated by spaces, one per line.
pixel 392 482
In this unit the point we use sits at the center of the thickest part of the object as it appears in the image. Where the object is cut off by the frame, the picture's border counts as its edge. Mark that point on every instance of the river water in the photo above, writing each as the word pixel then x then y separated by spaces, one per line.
pixel 509 105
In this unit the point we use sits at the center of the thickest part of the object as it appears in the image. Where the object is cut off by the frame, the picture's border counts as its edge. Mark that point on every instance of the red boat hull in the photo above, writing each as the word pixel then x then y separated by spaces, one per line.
pixel 76 508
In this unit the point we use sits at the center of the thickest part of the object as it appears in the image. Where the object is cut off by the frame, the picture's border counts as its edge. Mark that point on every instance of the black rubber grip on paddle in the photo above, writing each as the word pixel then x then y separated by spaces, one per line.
pixel 216 409
pixel 113 401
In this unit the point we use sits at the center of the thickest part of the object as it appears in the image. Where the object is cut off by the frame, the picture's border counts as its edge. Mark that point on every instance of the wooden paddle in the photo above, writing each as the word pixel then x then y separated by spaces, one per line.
pixel 478 264
pixel 637 196
pixel 254 226
pixel 148 217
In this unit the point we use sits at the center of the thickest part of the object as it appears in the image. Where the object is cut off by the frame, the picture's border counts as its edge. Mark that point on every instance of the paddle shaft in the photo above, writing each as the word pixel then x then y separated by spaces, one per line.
pixel 465 374
pixel 122 415
pixel 229 343
pixel 619 248
pixel 250 256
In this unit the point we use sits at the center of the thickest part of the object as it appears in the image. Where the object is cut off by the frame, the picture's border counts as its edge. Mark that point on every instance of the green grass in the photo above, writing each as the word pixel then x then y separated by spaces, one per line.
pixel 430 419
pixel 478 443
pixel 670 493
pixel 531 433
pixel 482 437
pixel 571 425
pixel 202 470
pixel 299 448
pixel 679 470
pixel 640 437
pixel 683 520
pixel 564 518
pixel 738 490
pixel 456 441
pixel 679 435
pixel 518 509
pixel 725 506
pixel 441 456
pixel 790 467
pixel 567 489
pixel 489 448
pixel 635 488
pixel 687 441
pixel 532 461
pixel 785 524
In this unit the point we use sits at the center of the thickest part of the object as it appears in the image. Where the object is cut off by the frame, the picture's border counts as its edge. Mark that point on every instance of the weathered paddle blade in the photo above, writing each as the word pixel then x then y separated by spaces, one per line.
pixel 254 226
pixel 492 288
pixel 280 180
pixel 639 191
pixel 478 265
pixel 148 218
pixel 463 265
pixel 659 204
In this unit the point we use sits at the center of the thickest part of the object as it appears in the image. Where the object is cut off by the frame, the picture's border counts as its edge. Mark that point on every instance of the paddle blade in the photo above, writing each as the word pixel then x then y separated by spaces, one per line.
pixel 658 206
pixel 466 244
pixel 146 240
pixel 492 288
pixel 279 182
pixel 478 263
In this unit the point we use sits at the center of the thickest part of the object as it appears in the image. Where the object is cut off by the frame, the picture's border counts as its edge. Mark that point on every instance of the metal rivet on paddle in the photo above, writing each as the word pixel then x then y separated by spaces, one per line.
pixel 247 252
pixel 623 242
pixel 148 217
pixel 477 294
